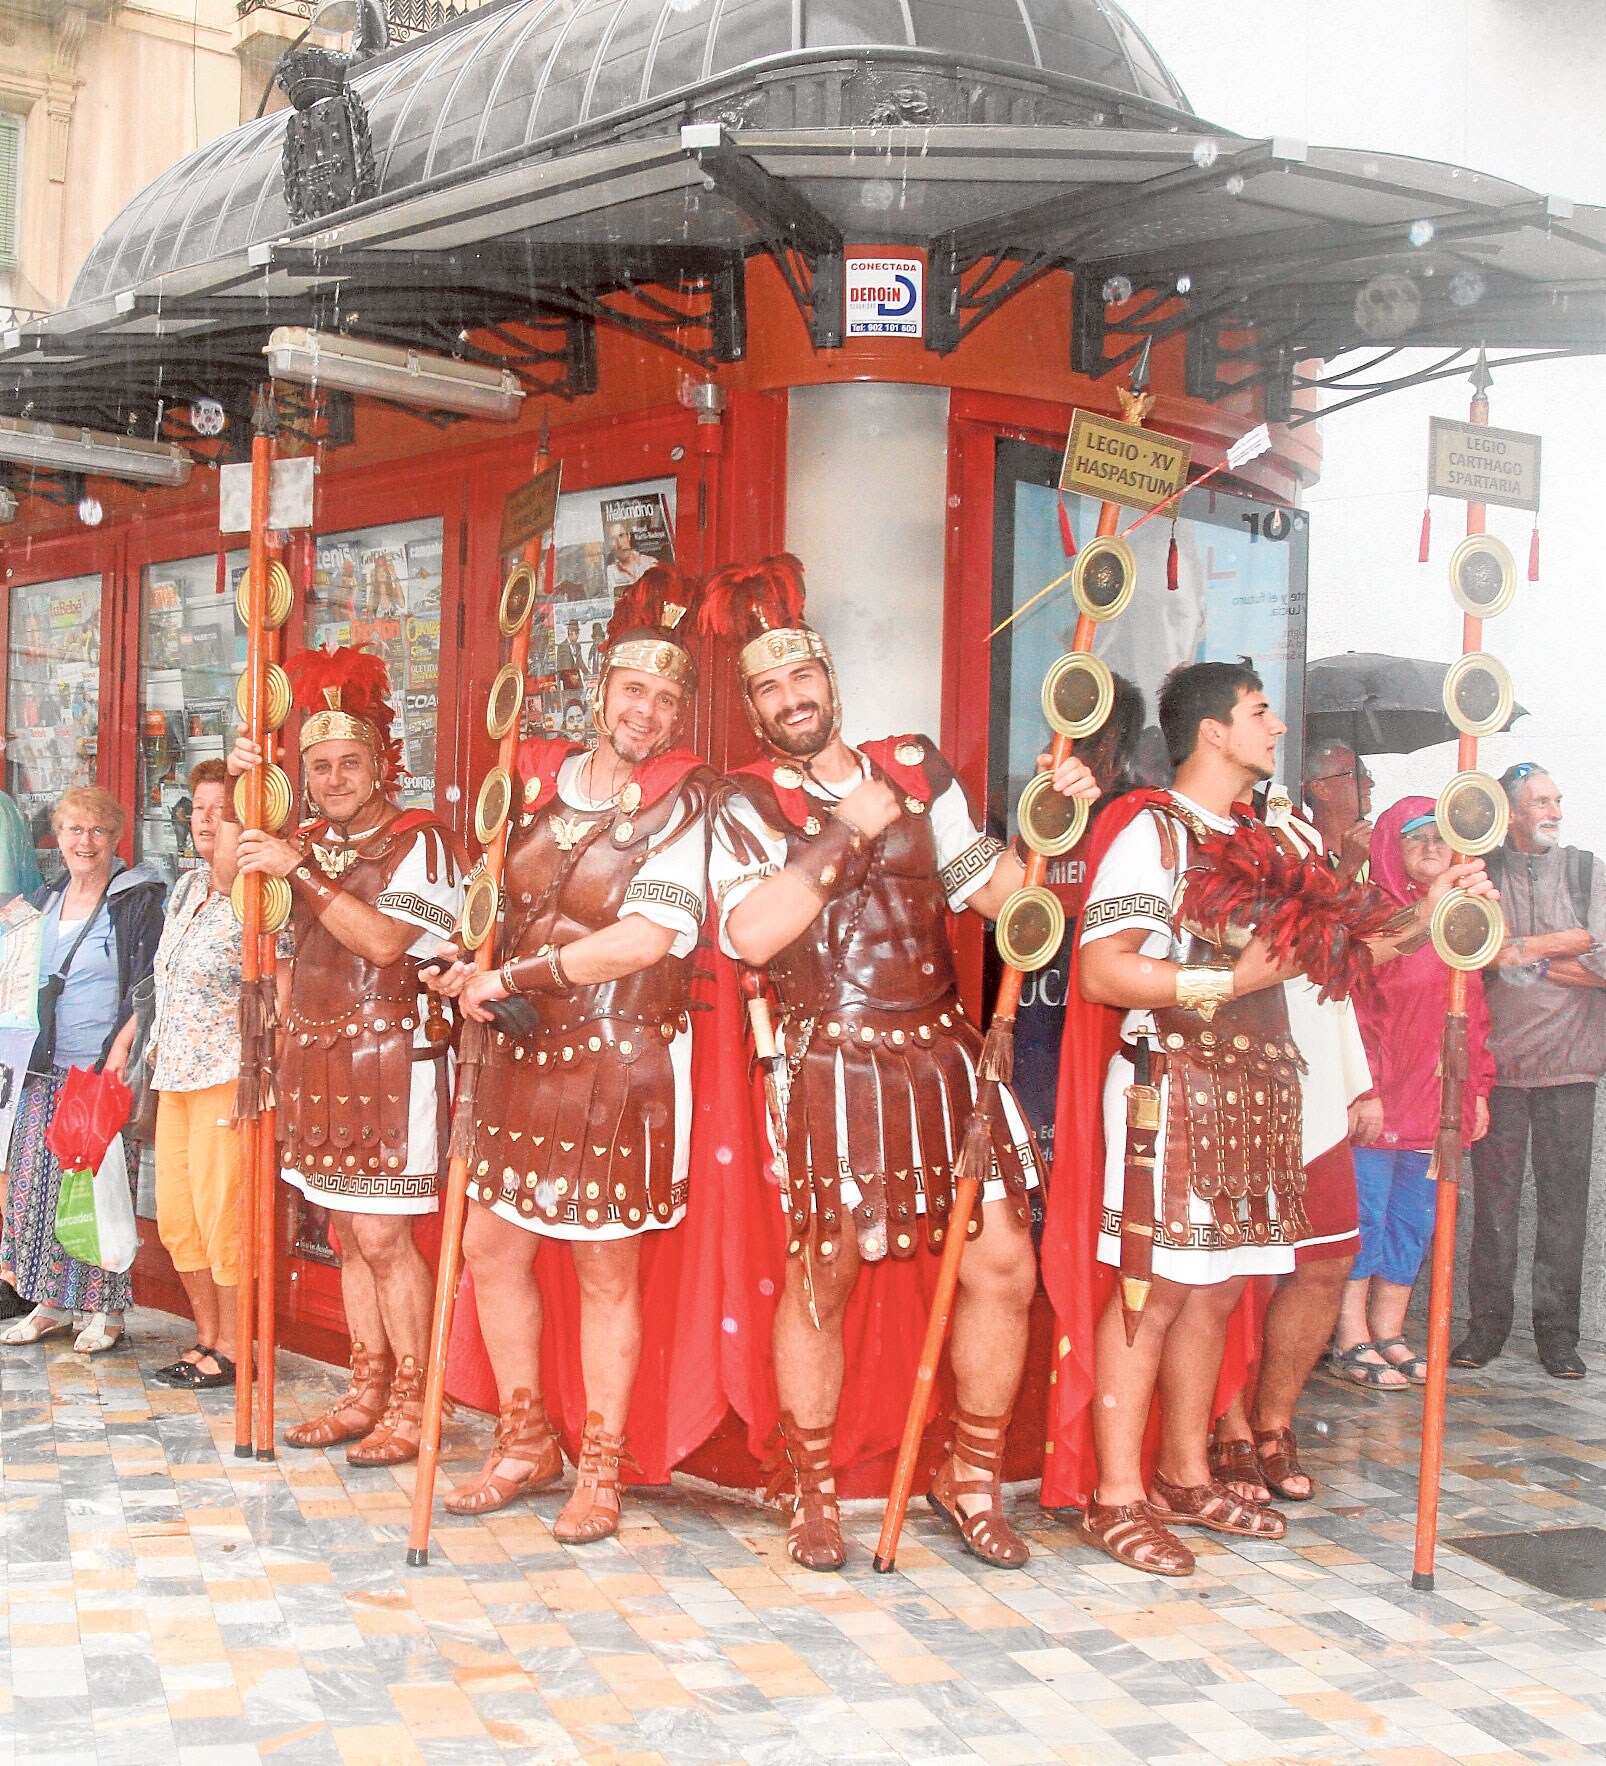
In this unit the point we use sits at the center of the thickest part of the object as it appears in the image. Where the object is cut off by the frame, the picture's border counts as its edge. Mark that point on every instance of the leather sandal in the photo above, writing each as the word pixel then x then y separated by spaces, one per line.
pixel 1235 1461
pixel 355 1411
pixel 42 1322
pixel 814 1538
pixel 1214 1506
pixel 1129 1533
pixel 523 1437
pixel 1279 1461
pixel 394 1439
pixel 177 1373
pixel 592 1511
pixel 985 1533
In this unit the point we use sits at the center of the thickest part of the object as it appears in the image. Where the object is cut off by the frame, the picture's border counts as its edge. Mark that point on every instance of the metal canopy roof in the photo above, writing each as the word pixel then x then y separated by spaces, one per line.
pixel 1263 253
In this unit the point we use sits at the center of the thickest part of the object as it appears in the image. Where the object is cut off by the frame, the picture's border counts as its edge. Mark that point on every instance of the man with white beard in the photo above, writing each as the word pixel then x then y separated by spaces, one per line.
pixel 1548 1037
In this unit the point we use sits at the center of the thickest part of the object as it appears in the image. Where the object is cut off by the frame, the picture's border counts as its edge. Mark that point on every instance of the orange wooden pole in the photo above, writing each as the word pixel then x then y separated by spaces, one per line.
pixel 965 1192
pixel 262 450
pixel 1441 1286
pixel 455 1201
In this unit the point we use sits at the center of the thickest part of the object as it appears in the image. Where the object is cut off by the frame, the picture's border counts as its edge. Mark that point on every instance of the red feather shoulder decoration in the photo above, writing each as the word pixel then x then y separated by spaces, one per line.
pixel 1311 918
pixel 743 600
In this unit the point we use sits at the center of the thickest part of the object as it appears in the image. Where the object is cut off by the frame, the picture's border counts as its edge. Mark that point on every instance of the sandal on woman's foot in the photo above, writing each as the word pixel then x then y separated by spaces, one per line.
pixel 1234 1461
pixel 1279 1461
pixel 355 1412
pixel 1376 1376
pixel 1129 1533
pixel 814 1539
pixel 979 1444
pixel 1410 1364
pixel 202 1381
pixel 524 1440
pixel 1214 1506
pixel 592 1511
pixel 102 1331
pixel 42 1322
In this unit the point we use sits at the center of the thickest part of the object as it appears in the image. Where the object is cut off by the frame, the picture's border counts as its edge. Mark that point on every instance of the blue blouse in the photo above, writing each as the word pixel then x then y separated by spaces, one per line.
pixel 86 1013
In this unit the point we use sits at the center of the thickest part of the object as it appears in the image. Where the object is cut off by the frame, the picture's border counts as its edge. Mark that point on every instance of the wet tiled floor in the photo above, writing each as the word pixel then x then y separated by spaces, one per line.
pixel 167 1602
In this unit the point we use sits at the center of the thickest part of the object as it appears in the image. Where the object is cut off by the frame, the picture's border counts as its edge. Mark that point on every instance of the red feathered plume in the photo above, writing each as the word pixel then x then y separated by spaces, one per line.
pixel 360 680
pixel 1312 919
pixel 743 600
pixel 660 600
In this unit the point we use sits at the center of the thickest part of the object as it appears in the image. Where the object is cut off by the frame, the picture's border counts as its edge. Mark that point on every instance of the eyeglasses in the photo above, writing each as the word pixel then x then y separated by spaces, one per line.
pixel 1349 773
pixel 71 831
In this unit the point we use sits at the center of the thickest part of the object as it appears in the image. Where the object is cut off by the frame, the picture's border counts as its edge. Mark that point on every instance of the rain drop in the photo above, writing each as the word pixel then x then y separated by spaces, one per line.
pixel 1184 285
pixel 1116 290
pixel 877 193
pixel 729 1326
pixel 1234 185
pixel 1205 153
pixel 766 1287
pixel 1422 233
pixel 1466 287
pixel 722 1155
pixel 546 1193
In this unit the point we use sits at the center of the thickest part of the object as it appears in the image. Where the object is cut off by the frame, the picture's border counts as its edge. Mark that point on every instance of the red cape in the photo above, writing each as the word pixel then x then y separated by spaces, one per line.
pixel 1078 1285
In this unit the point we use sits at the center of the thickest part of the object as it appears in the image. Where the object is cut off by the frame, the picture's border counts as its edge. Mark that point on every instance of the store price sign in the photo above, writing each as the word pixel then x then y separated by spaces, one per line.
pixel 1121 463
pixel 885 295
pixel 1483 465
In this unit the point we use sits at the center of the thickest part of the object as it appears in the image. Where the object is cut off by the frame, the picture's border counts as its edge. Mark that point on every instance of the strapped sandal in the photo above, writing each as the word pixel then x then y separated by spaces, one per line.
pixel 592 1511
pixel 354 1413
pixel 42 1322
pixel 394 1439
pixel 524 1436
pixel 814 1538
pixel 1214 1506
pixel 1412 1366
pixel 99 1333
pixel 1279 1461
pixel 1347 1365
pixel 1129 1533
pixel 979 1442
pixel 177 1373
pixel 1235 1461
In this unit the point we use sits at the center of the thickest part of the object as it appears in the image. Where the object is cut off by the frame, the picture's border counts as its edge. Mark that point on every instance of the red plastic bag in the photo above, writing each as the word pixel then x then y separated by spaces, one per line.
pixel 90 1108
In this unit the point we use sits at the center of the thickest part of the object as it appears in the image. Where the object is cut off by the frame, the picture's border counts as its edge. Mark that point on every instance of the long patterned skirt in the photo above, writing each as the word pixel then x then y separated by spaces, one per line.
pixel 45 1275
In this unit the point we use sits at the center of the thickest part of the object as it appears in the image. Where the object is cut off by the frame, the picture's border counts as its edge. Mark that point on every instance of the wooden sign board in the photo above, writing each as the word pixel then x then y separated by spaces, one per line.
pixel 1121 463
pixel 530 510
pixel 1483 465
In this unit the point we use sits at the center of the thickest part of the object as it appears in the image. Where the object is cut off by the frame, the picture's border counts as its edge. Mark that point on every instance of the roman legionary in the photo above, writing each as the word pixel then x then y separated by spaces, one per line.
pixel 364 1066
pixel 833 870
pixel 583 1107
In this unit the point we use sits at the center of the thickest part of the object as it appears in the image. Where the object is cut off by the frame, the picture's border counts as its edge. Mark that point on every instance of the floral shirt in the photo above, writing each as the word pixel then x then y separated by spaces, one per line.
pixel 197 1028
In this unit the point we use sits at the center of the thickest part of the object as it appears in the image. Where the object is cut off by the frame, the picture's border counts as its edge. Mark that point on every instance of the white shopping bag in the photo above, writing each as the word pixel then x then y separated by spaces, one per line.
pixel 114 1210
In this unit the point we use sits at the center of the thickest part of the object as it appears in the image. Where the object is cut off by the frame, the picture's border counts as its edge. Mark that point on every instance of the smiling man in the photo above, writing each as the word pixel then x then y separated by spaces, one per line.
pixel 834 873
pixel 583 1109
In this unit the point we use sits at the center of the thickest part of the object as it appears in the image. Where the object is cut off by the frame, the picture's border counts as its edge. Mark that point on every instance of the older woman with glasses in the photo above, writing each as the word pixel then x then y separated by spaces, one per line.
pixel 1401 1010
pixel 102 923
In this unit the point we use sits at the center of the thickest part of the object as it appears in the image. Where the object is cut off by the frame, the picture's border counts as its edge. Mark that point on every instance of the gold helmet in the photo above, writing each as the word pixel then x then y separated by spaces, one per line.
pixel 345 695
pixel 760 607
pixel 646 632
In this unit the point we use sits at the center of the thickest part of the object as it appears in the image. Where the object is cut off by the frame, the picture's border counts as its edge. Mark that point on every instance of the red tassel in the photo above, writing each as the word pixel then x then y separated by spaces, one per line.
pixel 1067 538
pixel 222 570
pixel 1171 561
pixel 1427 534
pixel 1533 554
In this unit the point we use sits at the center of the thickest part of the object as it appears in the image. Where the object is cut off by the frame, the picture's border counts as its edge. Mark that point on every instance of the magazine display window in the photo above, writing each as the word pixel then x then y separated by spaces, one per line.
pixel 192 648
pixel 52 699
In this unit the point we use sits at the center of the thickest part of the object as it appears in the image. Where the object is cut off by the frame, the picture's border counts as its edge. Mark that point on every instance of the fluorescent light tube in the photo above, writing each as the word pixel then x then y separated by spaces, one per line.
pixel 56 448
pixel 404 376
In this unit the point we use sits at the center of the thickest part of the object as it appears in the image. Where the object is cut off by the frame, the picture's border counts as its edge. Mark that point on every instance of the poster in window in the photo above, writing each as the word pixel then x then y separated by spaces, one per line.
pixel 637 534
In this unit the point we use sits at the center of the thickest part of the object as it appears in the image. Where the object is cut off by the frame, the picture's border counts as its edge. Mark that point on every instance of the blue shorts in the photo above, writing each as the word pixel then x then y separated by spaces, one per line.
pixel 1397 1205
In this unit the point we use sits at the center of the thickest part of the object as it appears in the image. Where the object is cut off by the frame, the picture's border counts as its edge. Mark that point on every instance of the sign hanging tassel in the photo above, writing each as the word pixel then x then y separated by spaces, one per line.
pixel 1427 533
pixel 222 585
pixel 1067 537
pixel 1171 561
pixel 1533 553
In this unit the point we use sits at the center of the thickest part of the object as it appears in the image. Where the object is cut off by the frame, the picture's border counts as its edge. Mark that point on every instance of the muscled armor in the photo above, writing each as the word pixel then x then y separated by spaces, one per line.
pixel 575 1121
pixel 349 1047
pixel 871 984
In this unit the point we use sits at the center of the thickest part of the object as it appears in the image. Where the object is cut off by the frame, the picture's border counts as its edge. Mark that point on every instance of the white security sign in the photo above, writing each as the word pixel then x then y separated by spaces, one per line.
pixel 886 295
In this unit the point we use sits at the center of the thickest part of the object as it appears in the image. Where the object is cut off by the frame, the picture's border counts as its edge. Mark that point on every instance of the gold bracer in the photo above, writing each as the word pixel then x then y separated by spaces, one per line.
pixel 653 656
pixel 776 648
pixel 1202 987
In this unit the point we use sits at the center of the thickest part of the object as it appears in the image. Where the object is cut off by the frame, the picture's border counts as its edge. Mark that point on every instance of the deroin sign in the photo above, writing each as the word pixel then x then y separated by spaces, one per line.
pixel 885 296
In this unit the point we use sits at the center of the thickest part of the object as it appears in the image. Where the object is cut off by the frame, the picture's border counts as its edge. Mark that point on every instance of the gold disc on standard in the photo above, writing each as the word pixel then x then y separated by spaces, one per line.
pixel 280 597
pixel 1477 694
pixel 276 701
pixel 479 912
pixel 1105 577
pixel 1467 930
pixel 518 598
pixel 506 700
pixel 1472 813
pixel 275 902
pixel 1030 926
pixel 1078 691
pixel 1050 822
pixel 1483 575
pixel 277 798
pixel 495 800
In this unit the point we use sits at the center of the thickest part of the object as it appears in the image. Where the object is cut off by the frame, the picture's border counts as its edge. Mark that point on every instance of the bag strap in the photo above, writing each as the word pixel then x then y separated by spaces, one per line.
pixel 83 933
pixel 1580 881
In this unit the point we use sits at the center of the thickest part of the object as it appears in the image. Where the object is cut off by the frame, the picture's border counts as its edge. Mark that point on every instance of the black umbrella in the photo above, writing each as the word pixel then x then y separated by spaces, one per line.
pixel 1379 704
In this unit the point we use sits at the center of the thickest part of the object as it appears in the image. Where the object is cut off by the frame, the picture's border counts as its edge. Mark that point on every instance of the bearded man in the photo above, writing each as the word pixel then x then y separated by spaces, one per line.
pixel 832 871
pixel 364 1070
pixel 583 1107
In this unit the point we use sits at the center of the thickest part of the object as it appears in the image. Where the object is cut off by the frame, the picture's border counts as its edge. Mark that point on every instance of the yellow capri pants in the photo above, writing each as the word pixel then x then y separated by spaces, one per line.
pixel 198 1181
